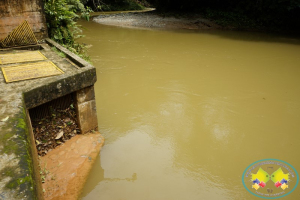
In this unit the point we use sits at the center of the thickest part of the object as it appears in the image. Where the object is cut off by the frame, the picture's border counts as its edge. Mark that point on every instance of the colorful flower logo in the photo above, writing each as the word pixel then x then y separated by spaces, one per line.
pixel 284 178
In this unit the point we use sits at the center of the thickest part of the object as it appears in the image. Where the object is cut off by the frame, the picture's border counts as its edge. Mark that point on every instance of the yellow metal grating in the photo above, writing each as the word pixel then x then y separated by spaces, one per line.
pixel 28 56
pixel 30 71
pixel 20 36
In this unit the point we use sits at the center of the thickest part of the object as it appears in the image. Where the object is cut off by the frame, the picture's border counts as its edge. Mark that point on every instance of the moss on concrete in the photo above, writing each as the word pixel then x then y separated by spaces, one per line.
pixel 7 139
pixel 18 169
pixel 15 142
pixel 8 172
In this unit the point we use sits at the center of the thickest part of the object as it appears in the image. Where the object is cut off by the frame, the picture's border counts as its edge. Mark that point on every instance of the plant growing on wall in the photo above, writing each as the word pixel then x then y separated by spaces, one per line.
pixel 62 27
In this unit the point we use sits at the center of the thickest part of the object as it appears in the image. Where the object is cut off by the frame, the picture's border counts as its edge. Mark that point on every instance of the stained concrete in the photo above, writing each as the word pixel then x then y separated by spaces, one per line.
pixel 86 109
pixel 18 169
pixel 66 168
pixel 13 13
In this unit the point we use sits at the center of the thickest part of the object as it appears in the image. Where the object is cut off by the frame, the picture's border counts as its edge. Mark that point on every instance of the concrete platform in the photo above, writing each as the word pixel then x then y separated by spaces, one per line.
pixel 19 171
pixel 66 168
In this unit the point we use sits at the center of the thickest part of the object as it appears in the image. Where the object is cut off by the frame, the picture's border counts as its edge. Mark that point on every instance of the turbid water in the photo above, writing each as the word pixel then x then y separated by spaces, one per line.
pixel 185 112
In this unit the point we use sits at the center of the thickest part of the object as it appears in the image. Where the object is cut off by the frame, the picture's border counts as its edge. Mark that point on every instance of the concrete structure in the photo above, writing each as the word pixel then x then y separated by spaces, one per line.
pixel 19 170
pixel 19 165
pixel 13 13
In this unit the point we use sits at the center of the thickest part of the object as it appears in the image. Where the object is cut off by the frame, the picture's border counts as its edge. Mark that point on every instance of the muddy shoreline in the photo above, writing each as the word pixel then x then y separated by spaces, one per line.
pixel 156 20
pixel 151 19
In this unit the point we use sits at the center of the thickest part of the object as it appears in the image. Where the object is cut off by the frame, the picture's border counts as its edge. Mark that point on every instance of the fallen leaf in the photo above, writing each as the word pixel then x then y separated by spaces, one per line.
pixel 59 135
pixel 67 119
pixel 37 142
pixel 5 119
pixel 49 133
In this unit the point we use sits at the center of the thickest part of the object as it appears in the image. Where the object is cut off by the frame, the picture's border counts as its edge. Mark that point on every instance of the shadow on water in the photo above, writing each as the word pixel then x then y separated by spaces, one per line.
pixel 251 36
pixel 97 175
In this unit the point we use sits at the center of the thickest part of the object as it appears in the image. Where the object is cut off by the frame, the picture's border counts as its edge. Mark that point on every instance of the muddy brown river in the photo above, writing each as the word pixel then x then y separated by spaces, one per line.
pixel 184 113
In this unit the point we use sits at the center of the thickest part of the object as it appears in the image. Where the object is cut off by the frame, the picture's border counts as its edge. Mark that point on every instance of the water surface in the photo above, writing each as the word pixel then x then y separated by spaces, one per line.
pixel 185 112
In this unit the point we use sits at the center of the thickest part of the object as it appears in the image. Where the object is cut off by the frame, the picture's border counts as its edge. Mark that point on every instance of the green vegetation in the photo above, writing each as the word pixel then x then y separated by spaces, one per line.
pixel 61 22
pixel 61 16
pixel 14 142
pixel 10 140
pixel 262 14
pixel 117 5
pixel 43 172
pixel 61 54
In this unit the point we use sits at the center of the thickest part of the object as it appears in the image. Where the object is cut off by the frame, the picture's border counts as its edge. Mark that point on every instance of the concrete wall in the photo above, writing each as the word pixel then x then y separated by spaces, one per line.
pixel 14 12
pixel 19 177
pixel 86 109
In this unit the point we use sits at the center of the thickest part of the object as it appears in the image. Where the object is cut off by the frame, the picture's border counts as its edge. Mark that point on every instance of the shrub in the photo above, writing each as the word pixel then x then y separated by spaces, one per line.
pixel 61 23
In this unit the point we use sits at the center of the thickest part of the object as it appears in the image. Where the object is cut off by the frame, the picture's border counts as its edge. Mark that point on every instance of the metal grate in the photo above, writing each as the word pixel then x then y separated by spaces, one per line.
pixel 22 35
pixel 44 110
pixel 30 71
pixel 22 57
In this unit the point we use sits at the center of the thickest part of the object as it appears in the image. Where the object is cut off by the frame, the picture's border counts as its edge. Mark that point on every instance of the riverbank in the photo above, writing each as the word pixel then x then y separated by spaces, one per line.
pixel 156 20
pixel 150 18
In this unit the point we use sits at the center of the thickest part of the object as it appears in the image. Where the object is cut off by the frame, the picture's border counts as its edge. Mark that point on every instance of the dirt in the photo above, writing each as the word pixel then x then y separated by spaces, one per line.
pixel 65 169
pixel 156 20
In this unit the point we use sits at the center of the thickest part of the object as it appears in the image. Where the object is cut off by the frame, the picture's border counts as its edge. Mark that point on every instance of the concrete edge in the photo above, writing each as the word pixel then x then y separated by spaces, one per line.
pixel 45 93
pixel 22 180
pixel 28 47
pixel 37 183
pixel 59 88
pixel 84 77
pixel 73 57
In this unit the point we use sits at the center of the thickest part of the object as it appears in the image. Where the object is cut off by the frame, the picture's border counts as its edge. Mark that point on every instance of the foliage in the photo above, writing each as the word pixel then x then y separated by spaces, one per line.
pixel 61 54
pixel 117 5
pixel 62 27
